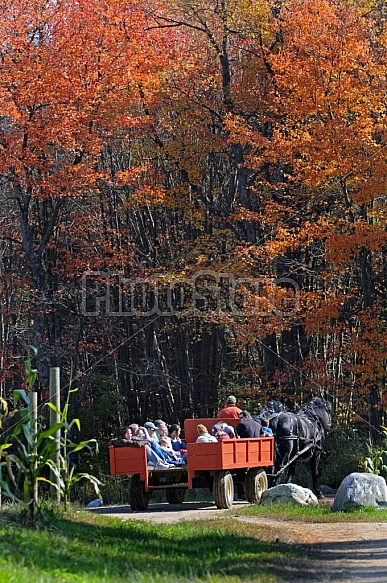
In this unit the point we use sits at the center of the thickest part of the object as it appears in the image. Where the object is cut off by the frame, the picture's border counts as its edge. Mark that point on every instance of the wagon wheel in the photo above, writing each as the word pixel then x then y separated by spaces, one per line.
pixel 138 497
pixel 255 484
pixel 175 496
pixel 223 489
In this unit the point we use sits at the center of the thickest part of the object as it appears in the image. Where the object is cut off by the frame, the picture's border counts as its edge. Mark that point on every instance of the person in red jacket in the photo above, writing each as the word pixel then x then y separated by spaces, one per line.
pixel 230 411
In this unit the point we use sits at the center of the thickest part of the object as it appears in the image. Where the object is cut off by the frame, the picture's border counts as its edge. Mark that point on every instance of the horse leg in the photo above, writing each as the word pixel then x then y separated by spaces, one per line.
pixel 275 479
pixel 314 464
pixel 281 460
pixel 291 472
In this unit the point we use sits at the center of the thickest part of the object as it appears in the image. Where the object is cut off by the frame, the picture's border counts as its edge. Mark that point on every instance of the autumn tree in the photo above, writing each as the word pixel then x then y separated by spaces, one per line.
pixel 72 75
pixel 224 156
pixel 326 207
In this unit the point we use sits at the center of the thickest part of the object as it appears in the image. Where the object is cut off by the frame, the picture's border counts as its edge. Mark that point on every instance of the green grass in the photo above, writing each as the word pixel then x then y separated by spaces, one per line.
pixel 85 547
pixel 307 514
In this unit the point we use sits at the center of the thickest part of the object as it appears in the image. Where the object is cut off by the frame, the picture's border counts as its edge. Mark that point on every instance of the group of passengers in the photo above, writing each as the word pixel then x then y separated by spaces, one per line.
pixel 165 448
pixel 247 427
pixel 219 432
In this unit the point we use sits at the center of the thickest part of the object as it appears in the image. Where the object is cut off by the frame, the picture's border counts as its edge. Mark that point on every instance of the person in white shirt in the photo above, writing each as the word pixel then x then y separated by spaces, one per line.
pixel 204 436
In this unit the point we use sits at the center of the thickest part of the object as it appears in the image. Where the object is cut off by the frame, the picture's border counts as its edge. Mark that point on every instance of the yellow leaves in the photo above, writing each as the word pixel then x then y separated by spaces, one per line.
pixel 288 238
pixel 131 176
pixel 371 188
pixel 142 183
pixel 241 133
pixel 243 214
pixel 201 260
pixel 378 213
pixel 326 65
pixel 250 18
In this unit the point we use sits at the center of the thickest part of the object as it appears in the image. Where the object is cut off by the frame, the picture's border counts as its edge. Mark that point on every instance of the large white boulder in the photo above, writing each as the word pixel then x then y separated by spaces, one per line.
pixel 289 493
pixel 360 489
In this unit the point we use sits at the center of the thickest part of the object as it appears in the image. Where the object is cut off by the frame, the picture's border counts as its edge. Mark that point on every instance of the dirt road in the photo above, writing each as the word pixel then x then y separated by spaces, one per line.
pixel 346 552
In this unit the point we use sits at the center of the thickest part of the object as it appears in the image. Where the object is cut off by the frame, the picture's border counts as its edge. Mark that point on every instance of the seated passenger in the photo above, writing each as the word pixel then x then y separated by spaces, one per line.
pixel 161 429
pixel 174 436
pixel 138 432
pixel 228 429
pixel 165 456
pixel 203 435
pixel 151 428
pixel 247 427
pixel 155 454
pixel 124 438
pixel 180 455
pixel 219 432
pixel 165 445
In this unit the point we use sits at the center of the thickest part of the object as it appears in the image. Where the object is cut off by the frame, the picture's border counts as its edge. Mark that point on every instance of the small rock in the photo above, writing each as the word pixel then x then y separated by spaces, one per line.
pixel 95 503
pixel 327 490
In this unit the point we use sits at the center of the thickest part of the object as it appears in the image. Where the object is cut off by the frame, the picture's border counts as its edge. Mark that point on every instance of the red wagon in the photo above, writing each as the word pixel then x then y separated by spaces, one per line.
pixel 218 466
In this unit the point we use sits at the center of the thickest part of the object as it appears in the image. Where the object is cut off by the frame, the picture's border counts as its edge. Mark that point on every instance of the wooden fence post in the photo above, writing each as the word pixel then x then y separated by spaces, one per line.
pixel 34 419
pixel 55 418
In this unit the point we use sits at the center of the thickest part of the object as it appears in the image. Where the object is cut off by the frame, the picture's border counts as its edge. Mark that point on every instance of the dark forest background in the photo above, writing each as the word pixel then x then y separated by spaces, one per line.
pixel 195 209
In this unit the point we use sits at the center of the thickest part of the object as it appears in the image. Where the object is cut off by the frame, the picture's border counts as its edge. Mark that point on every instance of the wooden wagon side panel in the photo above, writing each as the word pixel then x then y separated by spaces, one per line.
pixel 229 454
pixel 204 456
pixel 128 460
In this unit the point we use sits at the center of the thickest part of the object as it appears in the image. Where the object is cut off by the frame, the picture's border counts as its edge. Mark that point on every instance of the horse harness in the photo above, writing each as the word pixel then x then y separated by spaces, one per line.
pixel 314 443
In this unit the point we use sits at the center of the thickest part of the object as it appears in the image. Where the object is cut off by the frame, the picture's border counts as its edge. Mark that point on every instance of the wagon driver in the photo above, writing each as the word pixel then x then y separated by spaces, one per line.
pixel 230 411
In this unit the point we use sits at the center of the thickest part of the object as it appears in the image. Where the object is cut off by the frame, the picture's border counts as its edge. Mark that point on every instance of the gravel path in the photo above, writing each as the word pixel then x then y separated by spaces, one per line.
pixel 346 552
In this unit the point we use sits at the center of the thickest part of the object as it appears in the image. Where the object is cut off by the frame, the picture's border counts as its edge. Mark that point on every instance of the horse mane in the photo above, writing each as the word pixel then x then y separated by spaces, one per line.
pixel 320 402
pixel 317 409
pixel 272 410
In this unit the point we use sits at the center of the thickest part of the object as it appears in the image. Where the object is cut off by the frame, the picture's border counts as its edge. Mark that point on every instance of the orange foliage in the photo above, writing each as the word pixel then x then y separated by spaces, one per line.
pixel 68 73
pixel 246 139
pixel 368 350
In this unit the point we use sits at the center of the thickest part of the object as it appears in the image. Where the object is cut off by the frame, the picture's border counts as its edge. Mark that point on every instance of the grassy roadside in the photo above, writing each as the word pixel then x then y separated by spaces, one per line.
pixel 322 513
pixel 91 548
pixel 85 547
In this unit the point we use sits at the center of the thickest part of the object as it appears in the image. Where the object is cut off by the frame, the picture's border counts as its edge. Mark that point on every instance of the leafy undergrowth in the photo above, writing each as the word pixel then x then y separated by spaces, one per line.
pixel 84 547
pixel 322 513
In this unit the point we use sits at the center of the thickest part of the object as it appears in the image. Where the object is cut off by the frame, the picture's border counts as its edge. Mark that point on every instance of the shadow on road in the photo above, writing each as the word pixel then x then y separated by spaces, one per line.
pixel 164 512
pixel 360 561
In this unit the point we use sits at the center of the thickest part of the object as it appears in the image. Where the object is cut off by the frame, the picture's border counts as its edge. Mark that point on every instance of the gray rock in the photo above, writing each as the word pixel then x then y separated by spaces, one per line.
pixel 289 493
pixel 358 490
pixel 95 503
pixel 327 490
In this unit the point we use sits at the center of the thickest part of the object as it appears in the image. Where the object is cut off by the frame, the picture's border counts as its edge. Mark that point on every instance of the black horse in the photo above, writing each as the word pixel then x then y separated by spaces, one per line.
pixel 300 437
pixel 269 414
